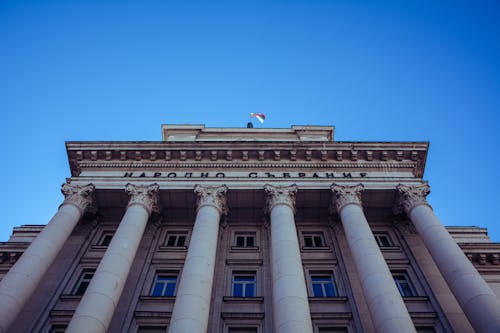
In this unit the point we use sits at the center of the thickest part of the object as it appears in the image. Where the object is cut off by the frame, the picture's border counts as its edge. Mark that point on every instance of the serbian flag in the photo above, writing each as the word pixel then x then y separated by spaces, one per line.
pixel 260 116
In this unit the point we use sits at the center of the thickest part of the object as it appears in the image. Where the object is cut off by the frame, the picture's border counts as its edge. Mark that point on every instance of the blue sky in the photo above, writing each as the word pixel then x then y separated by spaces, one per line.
pixel 376 70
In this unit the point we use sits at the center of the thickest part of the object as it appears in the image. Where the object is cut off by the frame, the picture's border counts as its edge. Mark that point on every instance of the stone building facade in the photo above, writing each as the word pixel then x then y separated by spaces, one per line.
pixel 248 230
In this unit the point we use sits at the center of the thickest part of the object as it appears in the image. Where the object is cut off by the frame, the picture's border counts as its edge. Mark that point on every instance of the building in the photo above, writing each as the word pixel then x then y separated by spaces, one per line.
pixel 248 230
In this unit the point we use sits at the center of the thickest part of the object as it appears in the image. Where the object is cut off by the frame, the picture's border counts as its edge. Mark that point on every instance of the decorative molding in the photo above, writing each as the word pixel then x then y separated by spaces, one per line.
pixel 144 195
pixel 411 197
pixel 345 195
pixel 406 227
pixel 212 196
pixel 280 195
pixel 80 196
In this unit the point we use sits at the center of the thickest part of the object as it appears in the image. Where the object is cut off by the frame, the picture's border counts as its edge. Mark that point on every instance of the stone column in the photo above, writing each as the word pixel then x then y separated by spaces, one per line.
pixel 192 301
pixel 291 312
pixel 479 303
pixel 22 279
pixel 98 304
pixel 387 308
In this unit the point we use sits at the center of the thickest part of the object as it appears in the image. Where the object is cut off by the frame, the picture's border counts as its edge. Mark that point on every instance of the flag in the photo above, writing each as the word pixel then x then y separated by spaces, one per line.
pixel 260 116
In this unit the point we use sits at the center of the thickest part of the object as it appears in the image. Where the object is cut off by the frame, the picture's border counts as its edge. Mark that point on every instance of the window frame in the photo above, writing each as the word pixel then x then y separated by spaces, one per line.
pixel 406 280
pixel 82 279
pixel 313 241
pixel 177 234
pixel 246 235
pixel 381 235
pixel 166 273
pixel 244 283
pixel 322 284
pixel 104 235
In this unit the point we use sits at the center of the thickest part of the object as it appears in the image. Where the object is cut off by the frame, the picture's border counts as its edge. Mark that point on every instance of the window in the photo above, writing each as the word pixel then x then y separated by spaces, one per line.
pixel 243 285
pixel 332 330
pixel 83 282
pixel 314 240
pixel 106 238
pixel 176 239
pixel 244 240
pixel 404 284
pixel 322 285
pixel 164 285
pixel 383 240
pixel 152 329
pixel 58 329
pixel 426 329
pixel 242 330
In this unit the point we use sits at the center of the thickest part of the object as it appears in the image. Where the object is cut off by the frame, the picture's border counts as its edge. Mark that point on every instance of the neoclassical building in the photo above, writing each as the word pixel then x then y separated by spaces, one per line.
pixel 248 230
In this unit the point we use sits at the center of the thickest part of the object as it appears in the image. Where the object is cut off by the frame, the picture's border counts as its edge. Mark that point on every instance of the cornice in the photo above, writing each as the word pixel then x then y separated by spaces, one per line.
pixel 242 155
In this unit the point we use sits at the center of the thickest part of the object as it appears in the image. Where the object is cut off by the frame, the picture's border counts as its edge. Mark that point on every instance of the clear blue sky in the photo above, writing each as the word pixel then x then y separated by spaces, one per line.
pixel 377 70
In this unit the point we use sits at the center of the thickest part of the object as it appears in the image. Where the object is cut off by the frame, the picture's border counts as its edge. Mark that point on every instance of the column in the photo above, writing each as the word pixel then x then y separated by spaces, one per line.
pixel 291 312
pixel 22 279
pixel 479 303
pixel 192 301
pixel 98 304
pixel 387 308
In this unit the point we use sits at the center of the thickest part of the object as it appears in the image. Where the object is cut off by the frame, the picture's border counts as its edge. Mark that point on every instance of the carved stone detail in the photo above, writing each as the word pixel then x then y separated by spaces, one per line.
pixel 80 196
pixel 280 195
pixel 144 195
pixel 212 196
pixel 345 195
pixel 411 197
pixel 406 227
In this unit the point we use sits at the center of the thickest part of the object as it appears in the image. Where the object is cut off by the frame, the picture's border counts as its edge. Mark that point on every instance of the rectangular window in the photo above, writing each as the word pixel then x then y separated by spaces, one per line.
pixel 314 240
pixel 332 330
pixel 106 238
pixel 152 329
pixel 323 285
pixel 243 285
pixel 242 330
pixel 176 239
pixel 164 285
pixel 383 240
pixel 83 282
pixel 244 240
pixel 404 284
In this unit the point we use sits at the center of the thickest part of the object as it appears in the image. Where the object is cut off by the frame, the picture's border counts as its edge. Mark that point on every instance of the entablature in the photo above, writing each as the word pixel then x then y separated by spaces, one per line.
pixel 246 155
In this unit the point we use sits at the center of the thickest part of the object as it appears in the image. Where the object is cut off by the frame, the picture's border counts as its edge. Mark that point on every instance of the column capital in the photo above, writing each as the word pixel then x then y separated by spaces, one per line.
pixel 212 196
pixel 144 195
pixel 80 196
pixel 345 195
pixel 411 197
pixel 280 195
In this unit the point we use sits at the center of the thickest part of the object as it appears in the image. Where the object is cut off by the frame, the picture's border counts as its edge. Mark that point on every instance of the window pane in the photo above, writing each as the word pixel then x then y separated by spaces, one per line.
pixel 171 240
pixel 237 290
pixel 181 241
pixel 318 241
pixel 308 241
pixel 384 241
pixel 170 289
pixel 158 289
pixel 240 241
pixel 317 290
pixel 250 290
pixel 250 241
pixel 329 290
pixel 242 330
